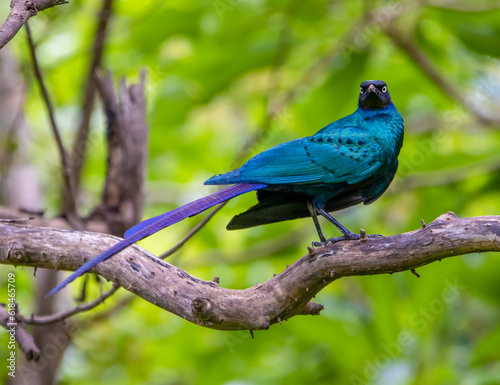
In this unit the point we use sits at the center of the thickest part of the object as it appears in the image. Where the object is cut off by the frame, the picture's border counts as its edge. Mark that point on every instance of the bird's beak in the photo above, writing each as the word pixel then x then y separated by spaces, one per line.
pixel 371 88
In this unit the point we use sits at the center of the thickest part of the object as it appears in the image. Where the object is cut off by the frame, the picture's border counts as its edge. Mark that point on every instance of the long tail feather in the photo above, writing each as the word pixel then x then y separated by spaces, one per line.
pixel 153 225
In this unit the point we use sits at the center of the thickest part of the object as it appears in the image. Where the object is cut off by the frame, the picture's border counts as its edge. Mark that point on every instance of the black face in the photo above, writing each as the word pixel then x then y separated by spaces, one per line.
pixel 374 95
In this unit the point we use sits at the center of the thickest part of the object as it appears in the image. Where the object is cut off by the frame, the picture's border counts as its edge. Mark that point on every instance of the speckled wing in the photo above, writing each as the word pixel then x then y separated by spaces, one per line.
pixel 343 155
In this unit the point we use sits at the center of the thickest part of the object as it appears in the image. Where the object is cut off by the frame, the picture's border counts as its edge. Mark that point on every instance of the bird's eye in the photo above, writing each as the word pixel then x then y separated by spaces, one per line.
pixel 361 90
pixel 384 89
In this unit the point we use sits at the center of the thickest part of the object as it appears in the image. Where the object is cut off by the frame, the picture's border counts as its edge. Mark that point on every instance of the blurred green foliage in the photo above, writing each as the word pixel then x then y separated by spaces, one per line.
pixel 215 68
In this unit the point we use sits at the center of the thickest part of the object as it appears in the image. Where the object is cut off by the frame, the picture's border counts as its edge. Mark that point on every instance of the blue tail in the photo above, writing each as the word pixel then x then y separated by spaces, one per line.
pixel 153 225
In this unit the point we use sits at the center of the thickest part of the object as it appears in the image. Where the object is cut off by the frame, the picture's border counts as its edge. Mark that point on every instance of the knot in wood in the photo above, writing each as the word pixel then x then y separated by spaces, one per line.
pixel 15 251
pixel 202 308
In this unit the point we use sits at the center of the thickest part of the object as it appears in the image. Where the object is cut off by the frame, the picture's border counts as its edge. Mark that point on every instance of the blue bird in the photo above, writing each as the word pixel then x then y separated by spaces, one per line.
pixel 352 160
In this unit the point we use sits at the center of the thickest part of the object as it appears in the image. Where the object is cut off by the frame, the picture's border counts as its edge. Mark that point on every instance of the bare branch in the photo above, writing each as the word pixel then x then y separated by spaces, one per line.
pixel 20 12
pixel 127 134
pixel 80 144
pixel 53 318
pixel 71 210
pixel 15 329
pixel 431 70
pixel 193 231
pixel 281 297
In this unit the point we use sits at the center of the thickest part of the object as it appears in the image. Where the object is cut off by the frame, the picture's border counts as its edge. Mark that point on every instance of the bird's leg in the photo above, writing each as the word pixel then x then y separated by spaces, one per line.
pixel 344 230
pixel 347 234
pixel 314 217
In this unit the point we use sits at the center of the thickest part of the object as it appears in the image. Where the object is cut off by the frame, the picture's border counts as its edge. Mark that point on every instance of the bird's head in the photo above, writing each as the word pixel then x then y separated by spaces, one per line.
pixel 373 95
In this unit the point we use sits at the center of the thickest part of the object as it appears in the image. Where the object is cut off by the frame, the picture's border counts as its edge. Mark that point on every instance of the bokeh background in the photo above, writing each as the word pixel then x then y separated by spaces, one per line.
pixel 230 78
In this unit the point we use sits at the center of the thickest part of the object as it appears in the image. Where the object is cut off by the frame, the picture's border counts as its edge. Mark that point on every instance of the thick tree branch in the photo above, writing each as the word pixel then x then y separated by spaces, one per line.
pixel 281 297
pixel 20 12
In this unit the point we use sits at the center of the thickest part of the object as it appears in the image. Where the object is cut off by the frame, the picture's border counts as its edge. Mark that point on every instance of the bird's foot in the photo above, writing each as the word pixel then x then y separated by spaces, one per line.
pixel 319 244
pixel 347 237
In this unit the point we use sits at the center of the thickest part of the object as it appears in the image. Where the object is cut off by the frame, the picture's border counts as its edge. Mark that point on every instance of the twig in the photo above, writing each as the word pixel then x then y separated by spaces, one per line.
pixel 193 231
pixel 57 317
pixel 281 297
pixel 107 312
pixel 425 64
pixel 80 144
pixel 69 192
pixel 251 254
pixel 25 341
pixel 20 12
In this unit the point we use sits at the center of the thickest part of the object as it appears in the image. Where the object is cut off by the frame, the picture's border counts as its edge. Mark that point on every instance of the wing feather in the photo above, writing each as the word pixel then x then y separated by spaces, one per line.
pixel 344 155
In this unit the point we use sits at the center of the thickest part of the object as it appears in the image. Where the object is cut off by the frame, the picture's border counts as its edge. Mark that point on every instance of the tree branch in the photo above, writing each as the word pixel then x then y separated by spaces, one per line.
pixel 24 340
pixel 127 139
pixel 81 140
pixel 70 209
pixel 281 297
pixel 425 64
pixel 61 316
pixel 20 12
pixel 193 232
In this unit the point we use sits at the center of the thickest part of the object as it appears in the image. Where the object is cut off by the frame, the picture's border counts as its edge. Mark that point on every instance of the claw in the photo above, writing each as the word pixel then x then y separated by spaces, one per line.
pixel 347 237
pixel 353 237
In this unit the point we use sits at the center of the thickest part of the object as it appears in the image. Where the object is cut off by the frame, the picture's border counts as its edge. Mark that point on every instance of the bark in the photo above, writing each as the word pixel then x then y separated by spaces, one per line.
pixel 20 12
pixel 127 139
